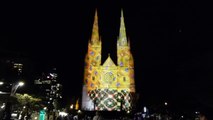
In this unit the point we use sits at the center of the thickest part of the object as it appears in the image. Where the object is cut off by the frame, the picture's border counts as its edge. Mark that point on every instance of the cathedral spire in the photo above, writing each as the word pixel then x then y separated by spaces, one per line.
pixel 122 40
pixel 95 33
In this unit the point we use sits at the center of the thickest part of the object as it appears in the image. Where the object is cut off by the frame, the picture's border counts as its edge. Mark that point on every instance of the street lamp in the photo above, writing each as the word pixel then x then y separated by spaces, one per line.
pixel 15 87
pixel 1 83
pixel 8 105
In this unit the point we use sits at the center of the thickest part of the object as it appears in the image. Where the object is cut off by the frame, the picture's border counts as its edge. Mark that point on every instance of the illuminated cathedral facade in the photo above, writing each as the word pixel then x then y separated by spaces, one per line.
pixel 109 86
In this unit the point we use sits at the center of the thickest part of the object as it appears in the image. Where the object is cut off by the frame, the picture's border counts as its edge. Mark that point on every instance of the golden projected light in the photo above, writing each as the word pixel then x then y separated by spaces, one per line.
pixel 108 86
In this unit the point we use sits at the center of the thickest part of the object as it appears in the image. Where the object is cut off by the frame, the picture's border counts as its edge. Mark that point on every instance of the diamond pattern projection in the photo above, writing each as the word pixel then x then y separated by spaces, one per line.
pixel 111 100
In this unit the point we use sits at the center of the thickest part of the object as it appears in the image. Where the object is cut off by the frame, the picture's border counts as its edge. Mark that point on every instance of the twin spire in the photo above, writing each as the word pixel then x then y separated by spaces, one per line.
pixel 95 31
pixel 122 39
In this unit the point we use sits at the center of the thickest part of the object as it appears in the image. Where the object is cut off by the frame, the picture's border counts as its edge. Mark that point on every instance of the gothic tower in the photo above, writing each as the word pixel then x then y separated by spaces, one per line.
pixel 108 86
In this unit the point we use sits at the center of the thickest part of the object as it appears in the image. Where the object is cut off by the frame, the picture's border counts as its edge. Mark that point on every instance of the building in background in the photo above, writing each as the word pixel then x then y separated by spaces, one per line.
pixel 11 72
pixel 18 67
pixel 50 88
pixel 109 86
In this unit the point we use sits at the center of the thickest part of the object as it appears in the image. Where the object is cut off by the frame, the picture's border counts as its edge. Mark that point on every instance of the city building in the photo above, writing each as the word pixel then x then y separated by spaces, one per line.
pixel 11 72
pixel 50 88
pixel 108 86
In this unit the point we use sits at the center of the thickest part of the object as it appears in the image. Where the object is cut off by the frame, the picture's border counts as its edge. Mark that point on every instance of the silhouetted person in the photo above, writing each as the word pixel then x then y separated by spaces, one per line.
pixel 97 116
pixel 7 112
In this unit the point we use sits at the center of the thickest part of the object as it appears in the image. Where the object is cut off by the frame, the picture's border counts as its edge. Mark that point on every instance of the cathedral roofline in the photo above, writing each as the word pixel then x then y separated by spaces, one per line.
pixel 109 62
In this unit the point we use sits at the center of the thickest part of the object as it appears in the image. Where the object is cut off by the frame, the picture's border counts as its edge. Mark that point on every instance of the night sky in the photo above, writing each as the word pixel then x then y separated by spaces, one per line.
pixel 170 43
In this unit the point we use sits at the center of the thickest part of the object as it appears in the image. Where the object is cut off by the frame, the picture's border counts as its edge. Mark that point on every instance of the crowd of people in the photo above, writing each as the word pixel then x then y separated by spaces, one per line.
pixel 95 116
pixel 131 116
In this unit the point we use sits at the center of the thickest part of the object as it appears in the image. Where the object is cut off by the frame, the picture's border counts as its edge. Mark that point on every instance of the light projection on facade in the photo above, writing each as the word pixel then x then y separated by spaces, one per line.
pixel 107 86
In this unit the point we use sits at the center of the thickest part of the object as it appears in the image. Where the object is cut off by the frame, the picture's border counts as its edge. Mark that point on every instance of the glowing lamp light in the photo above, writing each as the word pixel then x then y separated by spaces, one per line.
pixel 45 108
pixel 51 74
pixel 20 83
pixel 71 106
pixel 79 111
pixel 197 112
pixel 3 106
pixel 145 109
pixel 63 114
pixel 14 115
pixel 1 83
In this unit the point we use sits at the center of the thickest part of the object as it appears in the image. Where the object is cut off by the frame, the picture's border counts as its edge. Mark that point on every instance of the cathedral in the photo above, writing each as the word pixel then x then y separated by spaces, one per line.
pixel 108 86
